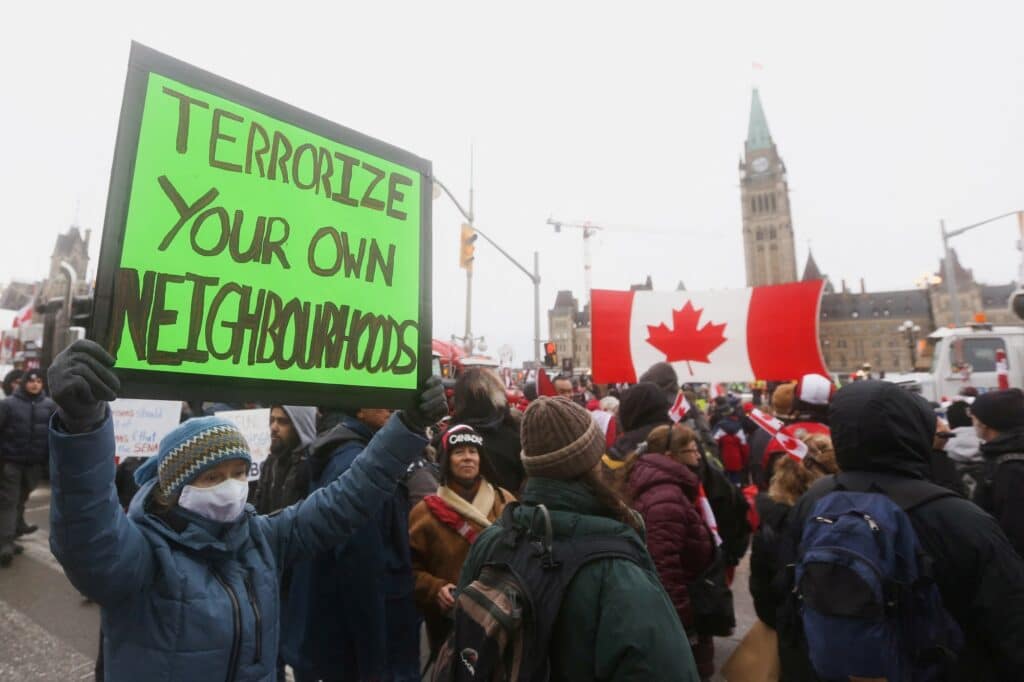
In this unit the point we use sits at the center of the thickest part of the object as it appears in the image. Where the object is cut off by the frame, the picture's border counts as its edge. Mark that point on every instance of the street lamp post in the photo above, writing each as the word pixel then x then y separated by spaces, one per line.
pixel 951 283
pixel 534 276
pixel 911 331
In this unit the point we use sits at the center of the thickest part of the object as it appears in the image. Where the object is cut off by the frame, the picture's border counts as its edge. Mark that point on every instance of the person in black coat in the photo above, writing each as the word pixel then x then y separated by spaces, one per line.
pixel 999 421
pixel 24 449
pixel 882 430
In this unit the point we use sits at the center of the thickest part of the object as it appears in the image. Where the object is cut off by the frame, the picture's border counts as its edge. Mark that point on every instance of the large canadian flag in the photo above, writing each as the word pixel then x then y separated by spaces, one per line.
pixel 766 333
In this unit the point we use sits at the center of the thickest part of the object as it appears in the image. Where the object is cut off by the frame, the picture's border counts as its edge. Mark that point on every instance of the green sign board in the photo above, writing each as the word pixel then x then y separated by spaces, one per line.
pixel 253 251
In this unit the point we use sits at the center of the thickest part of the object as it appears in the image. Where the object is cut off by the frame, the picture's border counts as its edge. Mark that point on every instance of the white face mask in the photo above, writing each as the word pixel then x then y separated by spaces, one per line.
pixel 223 502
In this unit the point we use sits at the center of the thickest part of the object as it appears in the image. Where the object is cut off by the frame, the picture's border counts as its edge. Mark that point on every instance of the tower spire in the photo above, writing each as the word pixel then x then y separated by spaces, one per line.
pixel 758 136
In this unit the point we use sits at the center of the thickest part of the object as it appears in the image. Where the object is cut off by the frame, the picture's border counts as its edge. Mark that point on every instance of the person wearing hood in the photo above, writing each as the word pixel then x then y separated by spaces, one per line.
pixel 12 380
pixel 443 526
pixel 24 447
pixel 999 421
pixel 664 376
pixel 479 400
pixel 284 475
pixel 884 432
pixel 187 581
pixel 663 486
pixel 641 408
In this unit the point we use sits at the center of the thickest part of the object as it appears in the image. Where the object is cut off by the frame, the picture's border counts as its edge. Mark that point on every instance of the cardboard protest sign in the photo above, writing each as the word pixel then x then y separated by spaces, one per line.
pixel 255 427
pixel 139 425
pixel 254 251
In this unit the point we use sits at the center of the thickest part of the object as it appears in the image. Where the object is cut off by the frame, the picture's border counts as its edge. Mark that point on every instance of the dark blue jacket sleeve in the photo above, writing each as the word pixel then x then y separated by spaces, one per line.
pixel 330 515
pixel 105 555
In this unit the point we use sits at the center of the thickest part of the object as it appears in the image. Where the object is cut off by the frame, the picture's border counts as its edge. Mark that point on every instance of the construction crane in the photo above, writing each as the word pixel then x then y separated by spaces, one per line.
pixel 589 230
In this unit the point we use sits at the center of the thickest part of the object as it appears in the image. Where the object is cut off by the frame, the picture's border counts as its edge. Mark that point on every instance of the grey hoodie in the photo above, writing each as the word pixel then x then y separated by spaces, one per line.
pixel 304 421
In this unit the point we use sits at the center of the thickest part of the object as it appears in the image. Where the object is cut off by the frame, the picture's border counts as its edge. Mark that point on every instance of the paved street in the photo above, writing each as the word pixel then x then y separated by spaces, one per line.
pixel 48 632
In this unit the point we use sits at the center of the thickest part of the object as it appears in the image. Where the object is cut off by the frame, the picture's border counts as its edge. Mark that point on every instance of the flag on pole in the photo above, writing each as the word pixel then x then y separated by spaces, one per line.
pixel 793 446
pixel 544 385
pixel 1002 370
pixel 769 333
pixel 23 316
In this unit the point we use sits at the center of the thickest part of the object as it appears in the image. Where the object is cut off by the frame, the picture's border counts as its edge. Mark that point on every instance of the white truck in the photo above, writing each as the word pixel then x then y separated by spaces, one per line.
pixel 952 359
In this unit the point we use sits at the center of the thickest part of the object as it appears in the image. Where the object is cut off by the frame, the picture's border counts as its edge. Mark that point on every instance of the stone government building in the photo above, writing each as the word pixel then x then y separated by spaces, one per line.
pixel 855 327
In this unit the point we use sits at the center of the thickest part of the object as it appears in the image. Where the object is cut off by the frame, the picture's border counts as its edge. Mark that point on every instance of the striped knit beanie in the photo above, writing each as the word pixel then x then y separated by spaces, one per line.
pixel 192 448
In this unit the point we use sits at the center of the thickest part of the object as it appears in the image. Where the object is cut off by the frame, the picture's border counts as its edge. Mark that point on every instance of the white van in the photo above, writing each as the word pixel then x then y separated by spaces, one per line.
pixel 952 359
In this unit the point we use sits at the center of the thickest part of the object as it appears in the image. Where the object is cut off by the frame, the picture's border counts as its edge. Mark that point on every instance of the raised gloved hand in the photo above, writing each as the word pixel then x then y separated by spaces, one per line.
pixel 81 381
pixel 431 406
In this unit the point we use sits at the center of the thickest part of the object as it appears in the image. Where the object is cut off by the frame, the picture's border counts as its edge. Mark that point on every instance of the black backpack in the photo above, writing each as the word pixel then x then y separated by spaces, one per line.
pixel 505 617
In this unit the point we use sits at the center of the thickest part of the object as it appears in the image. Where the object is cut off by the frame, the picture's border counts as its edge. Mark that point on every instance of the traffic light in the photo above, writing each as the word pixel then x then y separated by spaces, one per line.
pixel 550 354
pixel 466 247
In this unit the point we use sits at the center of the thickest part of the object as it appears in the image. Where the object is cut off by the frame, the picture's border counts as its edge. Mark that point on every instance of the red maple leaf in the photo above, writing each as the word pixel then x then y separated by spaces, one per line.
pixel 685 342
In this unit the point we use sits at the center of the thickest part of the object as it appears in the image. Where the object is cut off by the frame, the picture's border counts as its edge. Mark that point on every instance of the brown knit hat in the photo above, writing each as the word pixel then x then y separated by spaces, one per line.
pixel 560 439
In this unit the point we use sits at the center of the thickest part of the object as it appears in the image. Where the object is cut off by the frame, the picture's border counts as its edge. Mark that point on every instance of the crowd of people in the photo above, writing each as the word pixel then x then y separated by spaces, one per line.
pixel 589 534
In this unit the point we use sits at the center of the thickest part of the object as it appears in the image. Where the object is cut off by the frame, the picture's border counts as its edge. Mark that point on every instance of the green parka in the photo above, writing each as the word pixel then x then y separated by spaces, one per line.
pixel 616 622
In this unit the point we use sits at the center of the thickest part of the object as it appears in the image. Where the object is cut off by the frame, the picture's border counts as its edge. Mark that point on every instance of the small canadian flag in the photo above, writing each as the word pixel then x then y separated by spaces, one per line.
pixel 767 333
pixel 793 446
pixel 679 408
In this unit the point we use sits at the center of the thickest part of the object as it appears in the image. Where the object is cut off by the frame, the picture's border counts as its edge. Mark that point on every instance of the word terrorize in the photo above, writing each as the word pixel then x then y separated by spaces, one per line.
pixel 256 246
pixel 275 157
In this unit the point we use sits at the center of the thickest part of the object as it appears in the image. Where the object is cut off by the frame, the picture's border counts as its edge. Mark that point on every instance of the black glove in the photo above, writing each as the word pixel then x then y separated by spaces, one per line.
pixel 431 406
pixel 81 381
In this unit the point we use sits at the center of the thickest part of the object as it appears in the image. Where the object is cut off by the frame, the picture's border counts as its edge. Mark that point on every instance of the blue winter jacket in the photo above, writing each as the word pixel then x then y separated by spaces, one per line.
pixel 350 612
pixel 200 602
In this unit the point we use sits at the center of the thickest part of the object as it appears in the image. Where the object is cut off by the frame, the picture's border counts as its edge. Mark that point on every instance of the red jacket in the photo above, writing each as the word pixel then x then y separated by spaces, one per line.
pixel 665 493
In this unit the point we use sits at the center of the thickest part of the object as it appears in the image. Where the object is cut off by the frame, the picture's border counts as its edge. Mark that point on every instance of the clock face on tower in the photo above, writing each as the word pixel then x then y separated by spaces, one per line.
pixel 759 165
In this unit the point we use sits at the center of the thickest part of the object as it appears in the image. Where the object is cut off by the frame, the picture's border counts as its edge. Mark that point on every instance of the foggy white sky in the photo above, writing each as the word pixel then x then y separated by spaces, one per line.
pixel 889 116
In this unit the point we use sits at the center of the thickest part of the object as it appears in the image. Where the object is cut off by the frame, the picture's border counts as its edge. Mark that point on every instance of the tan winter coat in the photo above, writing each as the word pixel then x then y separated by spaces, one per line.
pixel 438 551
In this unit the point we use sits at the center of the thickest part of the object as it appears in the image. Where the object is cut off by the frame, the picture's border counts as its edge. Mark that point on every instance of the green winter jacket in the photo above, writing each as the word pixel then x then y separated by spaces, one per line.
pixel 616 622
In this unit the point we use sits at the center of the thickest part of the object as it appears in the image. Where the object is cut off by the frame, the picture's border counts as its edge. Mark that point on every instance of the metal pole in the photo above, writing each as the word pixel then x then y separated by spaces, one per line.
pixel 536 307
pixel 1020 247
pixel 468 339
pixel 469 268
pixel 586 263
pixel 951 287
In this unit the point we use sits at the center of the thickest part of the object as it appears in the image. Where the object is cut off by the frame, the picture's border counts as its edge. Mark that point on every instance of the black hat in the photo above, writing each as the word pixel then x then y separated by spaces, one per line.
pixel 458 435
pixel 643 404
pixel 957 414
pixel 1000 410
pixel 30 374
pixel 664 376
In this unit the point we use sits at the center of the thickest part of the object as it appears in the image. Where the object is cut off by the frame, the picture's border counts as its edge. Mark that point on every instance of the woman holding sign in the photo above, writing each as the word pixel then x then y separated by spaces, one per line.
pixel 188 579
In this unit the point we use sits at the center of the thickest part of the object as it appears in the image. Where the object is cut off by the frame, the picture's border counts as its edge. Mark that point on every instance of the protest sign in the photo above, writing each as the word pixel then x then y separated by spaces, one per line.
pixel 254 251
pixel 139 425
pixel 255 427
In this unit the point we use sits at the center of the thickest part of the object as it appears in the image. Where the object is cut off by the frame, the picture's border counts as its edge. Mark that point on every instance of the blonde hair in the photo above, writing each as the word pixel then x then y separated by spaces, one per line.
pixel 791 478
pixel 670 440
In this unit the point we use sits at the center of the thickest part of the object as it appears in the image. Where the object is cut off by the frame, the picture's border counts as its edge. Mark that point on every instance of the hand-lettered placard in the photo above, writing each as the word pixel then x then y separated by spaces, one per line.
pixel 139 425
pixel 255 427
pixel 254 251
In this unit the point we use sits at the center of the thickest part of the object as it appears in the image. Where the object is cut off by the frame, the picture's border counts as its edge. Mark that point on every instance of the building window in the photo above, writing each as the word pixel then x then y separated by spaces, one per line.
pixel 753 205
pixel 773 233
pixel 760 235
pixel 773 201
